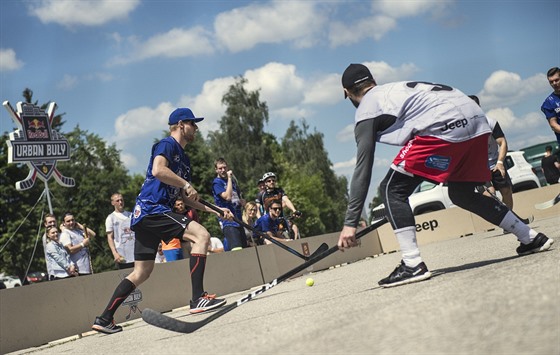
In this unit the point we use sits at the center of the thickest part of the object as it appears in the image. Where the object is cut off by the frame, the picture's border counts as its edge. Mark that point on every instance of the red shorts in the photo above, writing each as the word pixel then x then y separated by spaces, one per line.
pixel 441 161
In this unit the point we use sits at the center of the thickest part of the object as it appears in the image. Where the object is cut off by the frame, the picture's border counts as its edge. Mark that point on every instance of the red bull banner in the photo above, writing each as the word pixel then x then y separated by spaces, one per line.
pixel 37 144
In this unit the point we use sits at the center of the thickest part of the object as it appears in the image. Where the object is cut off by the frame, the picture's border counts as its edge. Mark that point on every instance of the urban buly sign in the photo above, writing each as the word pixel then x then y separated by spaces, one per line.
pixel 37 144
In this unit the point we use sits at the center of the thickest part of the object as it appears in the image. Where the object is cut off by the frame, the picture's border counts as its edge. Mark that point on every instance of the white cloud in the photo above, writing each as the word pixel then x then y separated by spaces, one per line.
pixel 68 82
pixel 504 88
pixel 399 9
pixel 384 73
pixel 81 13
pixel 142 122
pixel 8 60
pixel 346 135
pixel 324 90
pixel 510 123
pixel 279 84
pixel 275 22
pixel 175 43
pixel 371 27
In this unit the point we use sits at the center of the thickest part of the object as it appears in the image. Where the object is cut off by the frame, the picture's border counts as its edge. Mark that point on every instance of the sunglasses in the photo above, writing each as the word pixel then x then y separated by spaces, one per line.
pixel 276 208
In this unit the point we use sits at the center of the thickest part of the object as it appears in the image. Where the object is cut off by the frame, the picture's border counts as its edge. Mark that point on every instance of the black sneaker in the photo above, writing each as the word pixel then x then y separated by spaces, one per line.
pixel 404 274
pixel 206 302
pixel 540 243
pixel 104 326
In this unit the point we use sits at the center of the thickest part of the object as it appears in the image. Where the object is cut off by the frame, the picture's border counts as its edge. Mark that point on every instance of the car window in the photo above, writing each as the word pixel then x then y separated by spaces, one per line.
pixel 509 162
pixel 425 186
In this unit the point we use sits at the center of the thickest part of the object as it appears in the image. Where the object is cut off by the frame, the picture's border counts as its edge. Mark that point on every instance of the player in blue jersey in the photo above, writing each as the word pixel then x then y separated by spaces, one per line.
pixel 551 106
pixel 227 194
pixel 167 179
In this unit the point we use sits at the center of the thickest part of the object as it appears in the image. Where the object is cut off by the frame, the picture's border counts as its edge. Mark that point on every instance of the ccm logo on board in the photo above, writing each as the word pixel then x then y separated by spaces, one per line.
pixel 428 225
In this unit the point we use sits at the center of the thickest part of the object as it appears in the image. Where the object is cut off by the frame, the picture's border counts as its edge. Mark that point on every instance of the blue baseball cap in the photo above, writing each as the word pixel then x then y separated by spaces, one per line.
pixel 183 114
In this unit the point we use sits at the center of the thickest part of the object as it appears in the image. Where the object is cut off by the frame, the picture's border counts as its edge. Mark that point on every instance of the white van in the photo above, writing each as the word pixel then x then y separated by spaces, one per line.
pixel 429 197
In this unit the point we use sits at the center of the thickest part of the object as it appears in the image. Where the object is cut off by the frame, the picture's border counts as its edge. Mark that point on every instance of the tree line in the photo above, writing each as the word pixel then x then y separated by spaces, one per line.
pixel 298 158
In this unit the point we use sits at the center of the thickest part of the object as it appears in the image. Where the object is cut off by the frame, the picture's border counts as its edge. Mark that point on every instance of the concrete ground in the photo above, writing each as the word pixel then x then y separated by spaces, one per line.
pixel 482 299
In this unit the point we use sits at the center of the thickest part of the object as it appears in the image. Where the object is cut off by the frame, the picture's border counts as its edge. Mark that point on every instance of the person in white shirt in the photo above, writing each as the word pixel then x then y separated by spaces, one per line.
pixel 76 243
pixel 119 235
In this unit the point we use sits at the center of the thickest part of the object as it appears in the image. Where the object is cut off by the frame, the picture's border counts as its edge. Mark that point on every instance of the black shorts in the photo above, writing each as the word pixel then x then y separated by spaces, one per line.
pixel 153 229
pixel 499 181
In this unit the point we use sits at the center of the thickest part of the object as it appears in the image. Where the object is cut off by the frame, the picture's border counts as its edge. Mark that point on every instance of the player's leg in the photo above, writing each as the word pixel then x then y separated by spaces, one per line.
pixel 396 187
pixel 201 301
pixel 145 248
pixel 463 195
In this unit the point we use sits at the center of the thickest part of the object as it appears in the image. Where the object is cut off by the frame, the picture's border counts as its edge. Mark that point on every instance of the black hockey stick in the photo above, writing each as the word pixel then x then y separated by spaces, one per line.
pixel 162 321
pixel 319 250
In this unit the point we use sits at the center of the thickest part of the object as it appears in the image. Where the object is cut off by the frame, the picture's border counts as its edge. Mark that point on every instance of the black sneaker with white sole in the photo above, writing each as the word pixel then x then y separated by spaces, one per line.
pixel 205 303
pixel 540 243
pixel 405 274
pixel 105 326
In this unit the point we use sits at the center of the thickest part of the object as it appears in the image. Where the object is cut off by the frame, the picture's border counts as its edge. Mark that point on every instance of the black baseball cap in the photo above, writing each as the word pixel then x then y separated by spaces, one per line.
pixel 355 74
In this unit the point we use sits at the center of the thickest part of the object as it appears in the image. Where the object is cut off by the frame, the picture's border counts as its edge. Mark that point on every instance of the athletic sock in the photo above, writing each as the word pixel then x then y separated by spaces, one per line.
pixel 122 291
pixel 409 248
pixel 197 264
pixel 523 232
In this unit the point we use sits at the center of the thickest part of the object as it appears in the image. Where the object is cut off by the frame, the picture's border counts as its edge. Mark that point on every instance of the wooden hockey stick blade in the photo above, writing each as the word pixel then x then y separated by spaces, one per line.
pixel 548 204
pixel 162 321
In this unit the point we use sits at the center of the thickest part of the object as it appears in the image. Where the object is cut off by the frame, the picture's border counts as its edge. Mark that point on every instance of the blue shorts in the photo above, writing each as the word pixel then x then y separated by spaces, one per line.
pixel 173 254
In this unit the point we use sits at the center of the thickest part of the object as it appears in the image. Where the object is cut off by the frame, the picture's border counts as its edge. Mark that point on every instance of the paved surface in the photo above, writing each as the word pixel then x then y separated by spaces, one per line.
pixel 483 299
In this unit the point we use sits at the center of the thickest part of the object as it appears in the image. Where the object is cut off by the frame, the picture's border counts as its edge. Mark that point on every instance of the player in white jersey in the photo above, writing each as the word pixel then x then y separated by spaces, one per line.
pixel 444 135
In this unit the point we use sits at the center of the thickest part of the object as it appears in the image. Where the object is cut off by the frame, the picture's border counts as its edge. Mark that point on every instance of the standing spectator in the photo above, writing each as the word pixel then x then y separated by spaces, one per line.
pixel 168 178
pixel 119 235
pixel 173 250
pixel 250 211
pixel 57 257
pixel 497 150
pixel 273 192
pixel 551 105
pixel 76 243
pixel 227 195
pixel 269 223
pixel 550 166
pixel 216 246
pixel 444 138
pixel 262 188
pixel 48 220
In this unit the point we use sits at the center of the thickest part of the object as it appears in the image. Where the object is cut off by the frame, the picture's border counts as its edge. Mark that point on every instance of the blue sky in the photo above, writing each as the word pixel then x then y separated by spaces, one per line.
pixel 118 68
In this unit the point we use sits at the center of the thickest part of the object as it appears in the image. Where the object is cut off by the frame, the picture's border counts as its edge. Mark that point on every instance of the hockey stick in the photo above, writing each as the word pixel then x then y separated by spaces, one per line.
pixel 162 321
pixel 319 250
pixel 483 188
pixel 548 204
pixel 88 253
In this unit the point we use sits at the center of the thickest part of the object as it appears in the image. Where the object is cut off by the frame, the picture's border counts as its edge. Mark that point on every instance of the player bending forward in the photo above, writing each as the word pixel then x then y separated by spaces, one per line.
pixel 444 135
pixel 167 179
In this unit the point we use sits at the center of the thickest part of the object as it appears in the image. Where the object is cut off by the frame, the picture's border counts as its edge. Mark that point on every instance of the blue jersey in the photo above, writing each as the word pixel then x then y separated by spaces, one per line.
pixel 155 196
pixel 551 109
pixel 266 224
pixel 219 186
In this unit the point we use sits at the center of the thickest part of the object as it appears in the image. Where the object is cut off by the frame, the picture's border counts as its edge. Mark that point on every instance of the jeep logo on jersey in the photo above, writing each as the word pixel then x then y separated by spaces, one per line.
pixel 455 124
pixel 35 143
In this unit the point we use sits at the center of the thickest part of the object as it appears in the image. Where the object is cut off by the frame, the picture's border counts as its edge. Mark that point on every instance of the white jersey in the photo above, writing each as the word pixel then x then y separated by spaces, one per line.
pixel 423 109
pixel 81 258
pixel 123 236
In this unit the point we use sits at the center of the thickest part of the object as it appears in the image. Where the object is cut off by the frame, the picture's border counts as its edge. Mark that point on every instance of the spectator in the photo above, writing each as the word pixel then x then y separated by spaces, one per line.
pixel 216 246
pixel 227 195
pixel 550 166
pixel 173 250
pixel 250 211
pixel 160 256
pixel 119 235
pixel 273 192
pixel 497 150
pixel 262 188
pixel 551 106
pixel 269 223
pixel 58 259
pixel 48 220
pixel 76 243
